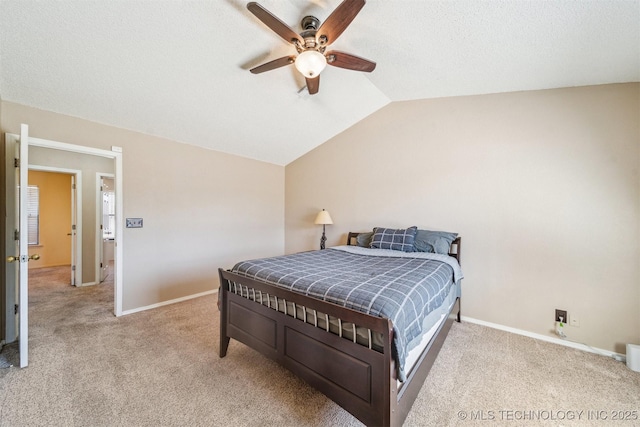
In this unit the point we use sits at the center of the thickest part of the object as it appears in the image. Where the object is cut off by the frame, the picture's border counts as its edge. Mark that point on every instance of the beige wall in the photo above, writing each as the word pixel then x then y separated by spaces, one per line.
pixel 542 186
pixel 202 209
pixel 54 247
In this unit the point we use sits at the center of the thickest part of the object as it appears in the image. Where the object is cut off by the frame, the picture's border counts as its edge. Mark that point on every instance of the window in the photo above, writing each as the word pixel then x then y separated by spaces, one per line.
pixel 33 214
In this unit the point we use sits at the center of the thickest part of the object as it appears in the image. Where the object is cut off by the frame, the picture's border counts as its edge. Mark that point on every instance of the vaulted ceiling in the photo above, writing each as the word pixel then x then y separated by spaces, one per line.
pixel 179 69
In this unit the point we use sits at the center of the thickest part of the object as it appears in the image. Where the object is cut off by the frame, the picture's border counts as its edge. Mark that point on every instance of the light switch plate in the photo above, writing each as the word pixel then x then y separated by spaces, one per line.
pixel 134 222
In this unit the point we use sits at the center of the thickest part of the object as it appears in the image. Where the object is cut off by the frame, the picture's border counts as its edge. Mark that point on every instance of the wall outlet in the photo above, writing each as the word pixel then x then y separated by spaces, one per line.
pixel 574 321
pixel 561 316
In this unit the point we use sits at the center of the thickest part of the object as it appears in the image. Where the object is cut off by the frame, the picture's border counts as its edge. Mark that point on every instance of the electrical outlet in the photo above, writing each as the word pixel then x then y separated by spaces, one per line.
pixel 561 314
pixel 574 321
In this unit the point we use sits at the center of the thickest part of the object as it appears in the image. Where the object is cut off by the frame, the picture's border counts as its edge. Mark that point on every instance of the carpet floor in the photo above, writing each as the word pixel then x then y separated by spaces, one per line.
pixel 160 368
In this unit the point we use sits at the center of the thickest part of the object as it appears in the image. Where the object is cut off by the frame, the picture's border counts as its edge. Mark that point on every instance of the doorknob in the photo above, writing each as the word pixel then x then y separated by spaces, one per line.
pixel 34 257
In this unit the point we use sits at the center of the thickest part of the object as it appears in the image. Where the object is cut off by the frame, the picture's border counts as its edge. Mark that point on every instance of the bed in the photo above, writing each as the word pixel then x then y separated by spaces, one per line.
pixel 369 364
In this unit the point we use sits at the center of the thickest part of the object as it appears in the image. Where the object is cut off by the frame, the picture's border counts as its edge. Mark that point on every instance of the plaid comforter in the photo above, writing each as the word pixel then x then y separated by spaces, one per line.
pixel 403 289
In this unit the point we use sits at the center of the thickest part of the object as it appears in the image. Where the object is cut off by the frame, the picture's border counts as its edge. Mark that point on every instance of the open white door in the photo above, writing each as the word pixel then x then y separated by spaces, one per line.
pixel 100 237
pixel 105 224
pixel 18 252
pixel 11 244
pixel 23 243
pixel 73 232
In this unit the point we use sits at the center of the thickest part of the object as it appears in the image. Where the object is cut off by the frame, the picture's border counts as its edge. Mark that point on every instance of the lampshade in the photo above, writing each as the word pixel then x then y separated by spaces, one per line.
pixel 311 63
pixel 323 217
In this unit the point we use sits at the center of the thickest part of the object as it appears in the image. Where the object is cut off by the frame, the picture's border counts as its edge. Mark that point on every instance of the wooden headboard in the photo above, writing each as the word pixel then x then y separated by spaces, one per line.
pixel 454 250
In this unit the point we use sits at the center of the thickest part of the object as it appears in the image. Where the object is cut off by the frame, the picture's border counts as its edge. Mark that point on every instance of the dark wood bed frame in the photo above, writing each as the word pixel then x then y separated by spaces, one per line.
pixel 360 379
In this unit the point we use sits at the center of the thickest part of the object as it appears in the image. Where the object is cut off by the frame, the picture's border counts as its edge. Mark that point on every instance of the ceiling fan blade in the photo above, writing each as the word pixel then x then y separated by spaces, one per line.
pixel 271 21
pixel 313 85
pixel 272 65
pixel 339 20
pixel 348 61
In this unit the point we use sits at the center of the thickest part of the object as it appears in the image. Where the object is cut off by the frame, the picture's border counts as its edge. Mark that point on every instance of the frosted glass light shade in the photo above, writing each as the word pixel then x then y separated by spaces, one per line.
pixel 323 218
pixel 310 63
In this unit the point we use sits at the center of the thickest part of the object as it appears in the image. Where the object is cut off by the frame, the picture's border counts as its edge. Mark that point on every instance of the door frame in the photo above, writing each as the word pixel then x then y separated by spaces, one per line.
pixel 116 155
pixel 77 256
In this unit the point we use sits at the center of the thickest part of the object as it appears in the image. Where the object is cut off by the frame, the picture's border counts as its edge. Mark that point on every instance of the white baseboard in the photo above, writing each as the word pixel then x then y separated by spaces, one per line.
pixel 566 343
pixel 173 301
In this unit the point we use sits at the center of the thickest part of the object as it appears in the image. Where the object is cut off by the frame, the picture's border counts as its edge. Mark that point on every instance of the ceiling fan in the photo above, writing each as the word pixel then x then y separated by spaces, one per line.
pixel 312 42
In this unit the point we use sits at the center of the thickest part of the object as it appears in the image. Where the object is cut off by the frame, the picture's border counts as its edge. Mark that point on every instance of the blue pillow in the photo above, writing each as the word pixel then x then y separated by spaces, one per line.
pixel 364 239
pixel 395 239
pixel 438 242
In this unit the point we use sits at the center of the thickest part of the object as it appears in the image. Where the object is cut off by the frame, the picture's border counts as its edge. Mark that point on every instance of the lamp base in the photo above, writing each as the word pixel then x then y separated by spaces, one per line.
pixel 323 239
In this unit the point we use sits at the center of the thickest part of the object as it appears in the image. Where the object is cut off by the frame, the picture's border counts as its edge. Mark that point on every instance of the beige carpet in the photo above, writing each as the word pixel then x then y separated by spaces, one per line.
pixel 160 368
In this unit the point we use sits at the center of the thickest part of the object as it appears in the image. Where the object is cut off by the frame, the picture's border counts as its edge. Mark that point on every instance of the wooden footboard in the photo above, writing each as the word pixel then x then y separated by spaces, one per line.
pixel 360 379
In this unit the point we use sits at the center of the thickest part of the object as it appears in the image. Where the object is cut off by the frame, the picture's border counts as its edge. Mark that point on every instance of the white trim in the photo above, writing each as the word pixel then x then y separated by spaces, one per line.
pixel 566 343
pixel 78 247
pixel 173 301
pixel 119 242
pixel 45 143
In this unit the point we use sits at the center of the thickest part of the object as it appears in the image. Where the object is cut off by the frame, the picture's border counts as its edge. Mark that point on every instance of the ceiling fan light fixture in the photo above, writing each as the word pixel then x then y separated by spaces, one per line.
pixel 310 63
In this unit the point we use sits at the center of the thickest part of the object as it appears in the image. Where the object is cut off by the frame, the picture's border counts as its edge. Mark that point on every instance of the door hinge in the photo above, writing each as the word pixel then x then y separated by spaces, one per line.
pixel 73 268
pixel 16 163
pixel 73 186
pixel 16 235
pixel 15 309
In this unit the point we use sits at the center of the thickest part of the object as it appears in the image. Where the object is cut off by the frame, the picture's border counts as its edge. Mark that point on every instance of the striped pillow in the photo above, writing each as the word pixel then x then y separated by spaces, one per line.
pixel 395 239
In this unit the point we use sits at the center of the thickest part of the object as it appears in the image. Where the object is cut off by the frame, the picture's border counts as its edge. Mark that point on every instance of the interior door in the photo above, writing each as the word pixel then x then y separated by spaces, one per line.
pixel 11 272
pixel 73 232
pixel 103 264
pixel 18 250
pixel 106 218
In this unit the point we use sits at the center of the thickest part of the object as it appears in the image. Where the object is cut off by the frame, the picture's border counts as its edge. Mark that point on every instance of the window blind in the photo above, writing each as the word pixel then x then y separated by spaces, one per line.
pixel 33 214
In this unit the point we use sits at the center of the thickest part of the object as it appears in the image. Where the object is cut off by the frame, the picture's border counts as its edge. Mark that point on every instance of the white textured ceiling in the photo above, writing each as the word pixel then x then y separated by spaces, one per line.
pixel 179 69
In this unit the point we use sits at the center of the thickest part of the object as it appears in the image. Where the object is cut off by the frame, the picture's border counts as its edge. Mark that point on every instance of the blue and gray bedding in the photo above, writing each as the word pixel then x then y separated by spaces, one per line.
pixel 401 286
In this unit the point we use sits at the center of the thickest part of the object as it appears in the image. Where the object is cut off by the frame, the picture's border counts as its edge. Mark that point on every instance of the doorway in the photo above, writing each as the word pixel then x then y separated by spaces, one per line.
pixel 84 154
pixel 58 236
pixel 15 171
